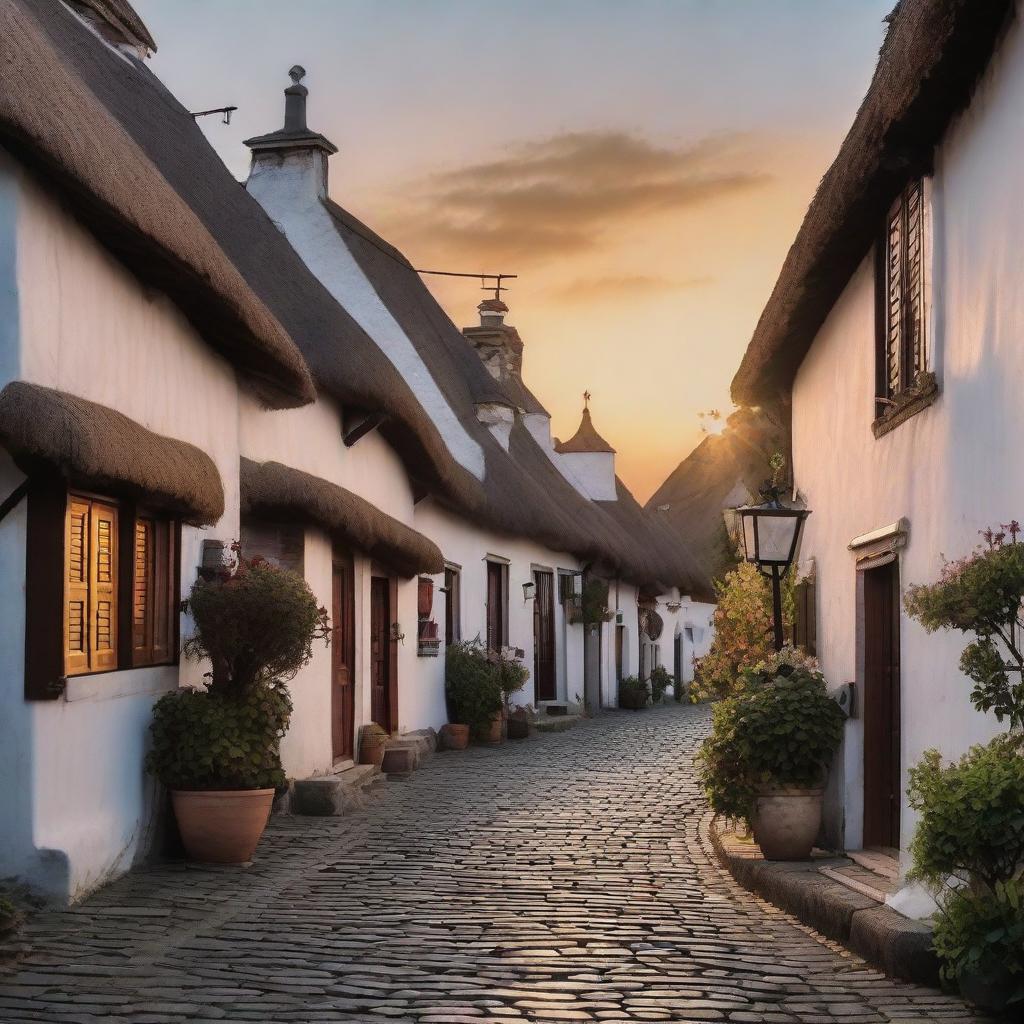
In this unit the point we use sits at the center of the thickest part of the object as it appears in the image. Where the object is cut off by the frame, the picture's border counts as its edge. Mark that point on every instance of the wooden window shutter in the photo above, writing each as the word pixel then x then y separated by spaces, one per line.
pixel 152 582
pixel 44 589
pixel 103 588
pixel 913 286
pixel 77 554
pixel 805 632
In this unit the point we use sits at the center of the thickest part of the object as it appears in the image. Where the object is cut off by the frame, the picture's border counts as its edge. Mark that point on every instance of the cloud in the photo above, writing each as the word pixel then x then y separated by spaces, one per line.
pixel 588 289
pixel 568 194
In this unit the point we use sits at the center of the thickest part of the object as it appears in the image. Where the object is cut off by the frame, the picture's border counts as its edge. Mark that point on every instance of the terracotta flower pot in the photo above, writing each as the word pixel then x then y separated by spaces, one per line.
pixel 221 826
pixel 455 737
pixel 372 745
pixel 495 731
pixel 787 821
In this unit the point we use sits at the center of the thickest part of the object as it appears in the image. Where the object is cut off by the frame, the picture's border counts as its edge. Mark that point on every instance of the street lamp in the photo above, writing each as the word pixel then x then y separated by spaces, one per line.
pixel 771 533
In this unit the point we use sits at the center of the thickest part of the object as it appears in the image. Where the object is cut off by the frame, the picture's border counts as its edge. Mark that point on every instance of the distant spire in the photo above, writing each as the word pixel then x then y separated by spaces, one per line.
pixel 586 438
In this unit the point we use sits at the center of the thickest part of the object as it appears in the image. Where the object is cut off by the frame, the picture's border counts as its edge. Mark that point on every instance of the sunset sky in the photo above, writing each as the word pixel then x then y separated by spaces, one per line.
pixel 642 166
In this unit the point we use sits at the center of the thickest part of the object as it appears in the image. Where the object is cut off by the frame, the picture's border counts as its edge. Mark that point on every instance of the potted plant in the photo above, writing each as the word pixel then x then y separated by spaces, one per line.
pixel 520 721
pixel 660 682
pixel 512 675
pixel 373 741
pixel 766 758
pixel 218 749
pixel 633 693
pixel 472 689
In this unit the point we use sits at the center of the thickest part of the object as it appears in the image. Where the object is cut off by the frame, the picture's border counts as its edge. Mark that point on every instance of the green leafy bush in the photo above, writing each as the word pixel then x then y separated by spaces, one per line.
pixel 256 624
pixel 472 685
pixel 660 682
pixel 510 671
pixel 254 621
pixel 633 693
pixel 980 935
pixel 781 729
pixel 969 848
pixel 209 740
pixel 981 594
pixel 971 814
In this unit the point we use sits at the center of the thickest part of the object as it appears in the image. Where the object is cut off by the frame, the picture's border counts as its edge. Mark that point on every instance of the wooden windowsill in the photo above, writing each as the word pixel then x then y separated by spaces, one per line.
pixel 909 404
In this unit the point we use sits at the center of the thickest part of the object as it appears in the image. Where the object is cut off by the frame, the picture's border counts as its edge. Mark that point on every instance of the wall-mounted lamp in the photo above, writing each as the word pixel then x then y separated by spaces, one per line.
pixel 529 591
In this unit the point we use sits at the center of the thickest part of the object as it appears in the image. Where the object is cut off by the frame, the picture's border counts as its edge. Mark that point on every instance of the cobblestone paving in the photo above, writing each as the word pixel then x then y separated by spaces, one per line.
pixel 565 878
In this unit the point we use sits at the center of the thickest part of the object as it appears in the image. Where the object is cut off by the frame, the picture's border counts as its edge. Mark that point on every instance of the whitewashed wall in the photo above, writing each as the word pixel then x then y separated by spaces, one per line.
pixel 76 805
pixel 954 468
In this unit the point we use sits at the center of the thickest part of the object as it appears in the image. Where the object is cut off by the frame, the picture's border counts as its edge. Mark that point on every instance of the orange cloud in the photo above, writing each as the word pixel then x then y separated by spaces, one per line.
pixel 613 287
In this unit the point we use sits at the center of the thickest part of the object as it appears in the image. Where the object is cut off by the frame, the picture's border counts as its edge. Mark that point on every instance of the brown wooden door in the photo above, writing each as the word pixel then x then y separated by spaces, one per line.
pixel 343 643
pixel 620 632
pixel 882 707
pixel 544 636
pixel 380 651
pixel 495 606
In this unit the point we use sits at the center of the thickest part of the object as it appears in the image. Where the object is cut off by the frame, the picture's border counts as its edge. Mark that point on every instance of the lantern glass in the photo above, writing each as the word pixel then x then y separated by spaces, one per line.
pixel 775 536
pixel 749 537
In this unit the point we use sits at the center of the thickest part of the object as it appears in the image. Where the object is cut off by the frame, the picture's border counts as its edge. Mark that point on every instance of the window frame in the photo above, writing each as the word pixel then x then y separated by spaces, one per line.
pixel 916 384
pixel 49 502
pixel 452 604
pixel 501 567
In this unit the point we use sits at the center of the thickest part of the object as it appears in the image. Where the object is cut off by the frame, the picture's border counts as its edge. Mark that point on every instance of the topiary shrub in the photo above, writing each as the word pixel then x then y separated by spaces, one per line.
pixel 781 729
pixel 472 685
pixel 256 624
pixel 969 849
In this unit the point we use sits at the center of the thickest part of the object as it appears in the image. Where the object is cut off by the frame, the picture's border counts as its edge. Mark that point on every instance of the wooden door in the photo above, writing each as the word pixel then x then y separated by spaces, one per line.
pixel 380 651
pixel 620 632
pixel 495 606
pixel 882 787
pixel 544 636
pixel 343 642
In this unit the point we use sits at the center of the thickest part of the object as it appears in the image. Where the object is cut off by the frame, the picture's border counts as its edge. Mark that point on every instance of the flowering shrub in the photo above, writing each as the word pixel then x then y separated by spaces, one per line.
pixel 794 657
pixel 981 594
pixel 743 633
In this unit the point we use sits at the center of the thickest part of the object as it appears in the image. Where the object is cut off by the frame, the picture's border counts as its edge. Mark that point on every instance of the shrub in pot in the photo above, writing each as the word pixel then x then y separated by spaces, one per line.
pixel 660 682
pixel 766 758
pixel 472 687
pixel 969 850
pixel 633 693
pixel 520 721
pixel 512 675
pixel 218 749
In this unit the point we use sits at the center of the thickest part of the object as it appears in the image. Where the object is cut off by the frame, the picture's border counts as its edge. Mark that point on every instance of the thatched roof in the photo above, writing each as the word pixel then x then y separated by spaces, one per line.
pixel 586 438
pixel 270 488
pixel 119 19
pixel 101 448
pixel 932 56
pixel 54 122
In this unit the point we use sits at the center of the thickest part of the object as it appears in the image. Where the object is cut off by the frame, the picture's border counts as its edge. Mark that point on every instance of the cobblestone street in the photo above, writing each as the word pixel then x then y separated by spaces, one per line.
pixel 565 878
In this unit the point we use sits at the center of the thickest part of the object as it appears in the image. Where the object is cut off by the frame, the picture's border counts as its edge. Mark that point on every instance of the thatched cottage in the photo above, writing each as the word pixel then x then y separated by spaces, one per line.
pixel 185 362
pixel 895 329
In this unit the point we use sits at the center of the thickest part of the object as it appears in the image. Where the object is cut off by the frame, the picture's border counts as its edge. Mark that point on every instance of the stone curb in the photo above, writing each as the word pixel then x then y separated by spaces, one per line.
pixel 884 938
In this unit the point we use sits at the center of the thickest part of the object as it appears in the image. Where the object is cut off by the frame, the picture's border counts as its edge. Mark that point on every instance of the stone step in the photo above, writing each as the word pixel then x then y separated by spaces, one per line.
pixel 559 708
pixel 556 723
pixel 334 794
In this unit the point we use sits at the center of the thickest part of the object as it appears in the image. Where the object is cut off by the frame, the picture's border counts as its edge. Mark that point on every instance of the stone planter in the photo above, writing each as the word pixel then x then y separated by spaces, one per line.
pixel 454 737
pixel 518 728
pixel 633 700
pixel 372 744
pixel 787 821
pixel 221 826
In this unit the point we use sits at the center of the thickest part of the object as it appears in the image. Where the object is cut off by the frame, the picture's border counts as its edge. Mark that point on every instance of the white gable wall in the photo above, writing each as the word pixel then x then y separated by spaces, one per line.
pixel 78 807
pixel 951 470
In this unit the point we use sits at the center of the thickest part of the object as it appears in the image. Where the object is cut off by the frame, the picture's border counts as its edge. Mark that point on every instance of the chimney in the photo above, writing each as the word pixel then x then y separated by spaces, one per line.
pixel 589 458
pixel 498 344
pixel 293 157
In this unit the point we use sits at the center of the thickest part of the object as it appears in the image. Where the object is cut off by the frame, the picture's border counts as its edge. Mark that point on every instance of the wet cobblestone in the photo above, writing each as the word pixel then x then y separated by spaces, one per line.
pixel 564 878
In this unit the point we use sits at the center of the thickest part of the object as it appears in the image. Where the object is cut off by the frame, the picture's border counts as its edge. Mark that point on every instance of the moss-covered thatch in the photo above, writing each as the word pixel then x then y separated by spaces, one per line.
pixel 272 489
pixel 101 448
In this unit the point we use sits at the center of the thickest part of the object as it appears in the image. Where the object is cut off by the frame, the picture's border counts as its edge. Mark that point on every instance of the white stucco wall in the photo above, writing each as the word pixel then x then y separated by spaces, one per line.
pixel 953 469
pixel 76 803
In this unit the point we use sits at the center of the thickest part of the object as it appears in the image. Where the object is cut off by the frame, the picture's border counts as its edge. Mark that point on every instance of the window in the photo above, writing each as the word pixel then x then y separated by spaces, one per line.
pixel 900 290
pixel 452 605
pixel 119 585
pixel 497 605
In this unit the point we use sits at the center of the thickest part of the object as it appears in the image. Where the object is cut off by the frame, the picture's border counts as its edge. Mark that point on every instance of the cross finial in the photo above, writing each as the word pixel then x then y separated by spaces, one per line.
pixel 586 399
pixel 297 73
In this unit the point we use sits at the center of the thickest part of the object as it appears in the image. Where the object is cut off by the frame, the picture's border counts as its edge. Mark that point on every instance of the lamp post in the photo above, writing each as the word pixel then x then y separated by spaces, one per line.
pixel 771 533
